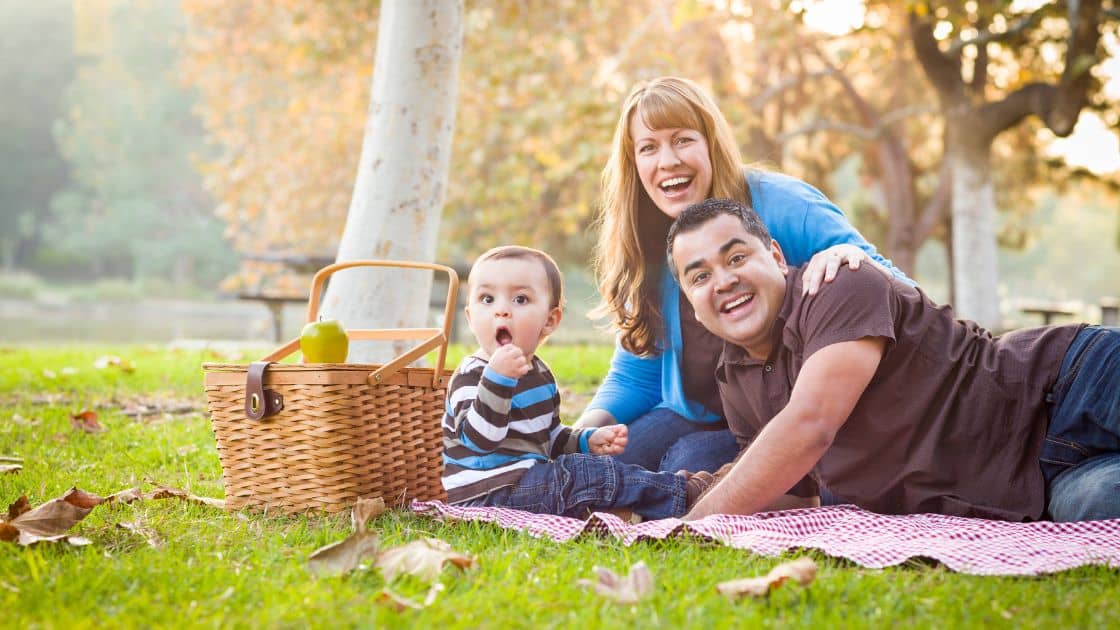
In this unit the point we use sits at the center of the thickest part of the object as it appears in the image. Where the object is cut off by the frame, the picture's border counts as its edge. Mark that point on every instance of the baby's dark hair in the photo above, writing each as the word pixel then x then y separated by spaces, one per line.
pixel 551 270
pixel 700 213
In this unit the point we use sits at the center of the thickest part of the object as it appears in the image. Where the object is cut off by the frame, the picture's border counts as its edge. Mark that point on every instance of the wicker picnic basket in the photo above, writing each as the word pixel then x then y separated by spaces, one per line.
pixel 318 436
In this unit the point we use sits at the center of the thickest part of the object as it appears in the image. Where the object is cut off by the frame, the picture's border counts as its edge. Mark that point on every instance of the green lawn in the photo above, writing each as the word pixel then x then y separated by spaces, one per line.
pixel 215 569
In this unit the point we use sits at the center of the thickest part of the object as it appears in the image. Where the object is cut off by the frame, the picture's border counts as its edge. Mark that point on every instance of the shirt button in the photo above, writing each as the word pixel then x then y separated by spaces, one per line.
pixel 769 368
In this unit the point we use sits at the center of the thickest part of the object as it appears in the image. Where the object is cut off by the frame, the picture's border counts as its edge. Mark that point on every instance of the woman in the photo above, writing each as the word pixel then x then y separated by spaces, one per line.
pixel 672 147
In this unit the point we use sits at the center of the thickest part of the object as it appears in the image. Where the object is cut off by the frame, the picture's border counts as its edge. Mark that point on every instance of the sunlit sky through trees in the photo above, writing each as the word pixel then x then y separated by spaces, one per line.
pixel 1091 145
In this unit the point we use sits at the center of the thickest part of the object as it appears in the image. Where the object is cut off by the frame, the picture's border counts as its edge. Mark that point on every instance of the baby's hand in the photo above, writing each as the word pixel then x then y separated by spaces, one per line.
pixel 608 440
pixel 510 361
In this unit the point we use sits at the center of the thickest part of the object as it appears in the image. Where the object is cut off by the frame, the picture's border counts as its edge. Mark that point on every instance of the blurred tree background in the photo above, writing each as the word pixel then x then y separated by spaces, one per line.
pixel 159 141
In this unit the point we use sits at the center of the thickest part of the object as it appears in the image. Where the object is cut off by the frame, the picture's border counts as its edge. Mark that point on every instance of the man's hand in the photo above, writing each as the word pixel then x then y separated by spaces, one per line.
pixel 608 440
pixel 510 361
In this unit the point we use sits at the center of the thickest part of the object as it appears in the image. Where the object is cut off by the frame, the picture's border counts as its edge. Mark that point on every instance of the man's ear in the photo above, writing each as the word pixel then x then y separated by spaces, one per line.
pixel 779 257
pixel 553 321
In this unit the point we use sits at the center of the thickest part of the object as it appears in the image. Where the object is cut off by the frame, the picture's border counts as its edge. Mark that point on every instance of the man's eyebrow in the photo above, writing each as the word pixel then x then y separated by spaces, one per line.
pixel 732 242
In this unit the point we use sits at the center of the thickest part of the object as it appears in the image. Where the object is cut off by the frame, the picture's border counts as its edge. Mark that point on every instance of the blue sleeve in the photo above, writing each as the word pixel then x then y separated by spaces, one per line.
pixel 805 222
pixel 631 387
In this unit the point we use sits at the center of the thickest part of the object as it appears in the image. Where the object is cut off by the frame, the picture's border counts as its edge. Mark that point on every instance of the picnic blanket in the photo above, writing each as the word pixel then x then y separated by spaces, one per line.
pixel 967 545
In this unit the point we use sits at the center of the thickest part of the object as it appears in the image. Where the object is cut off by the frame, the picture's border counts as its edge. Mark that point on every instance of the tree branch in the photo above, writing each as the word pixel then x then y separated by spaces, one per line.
pixel 985 37
pixel 760 101
pixel 866 133
pixel 942 70
pixel 937 206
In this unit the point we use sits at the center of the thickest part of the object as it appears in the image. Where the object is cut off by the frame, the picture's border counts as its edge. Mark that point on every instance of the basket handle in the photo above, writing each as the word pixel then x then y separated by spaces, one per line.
pixel 431 337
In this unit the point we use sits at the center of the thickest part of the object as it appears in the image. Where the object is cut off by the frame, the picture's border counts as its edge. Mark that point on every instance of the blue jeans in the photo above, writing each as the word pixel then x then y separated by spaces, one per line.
pixel 662 440
pixel 574 485
pixel 1081 454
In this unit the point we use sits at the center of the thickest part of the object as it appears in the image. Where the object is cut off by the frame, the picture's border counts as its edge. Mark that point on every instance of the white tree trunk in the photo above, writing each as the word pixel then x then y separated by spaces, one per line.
pixel 402 174
pixel 975 261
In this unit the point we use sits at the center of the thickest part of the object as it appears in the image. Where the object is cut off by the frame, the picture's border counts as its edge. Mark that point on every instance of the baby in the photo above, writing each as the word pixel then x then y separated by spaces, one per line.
pixel 503 444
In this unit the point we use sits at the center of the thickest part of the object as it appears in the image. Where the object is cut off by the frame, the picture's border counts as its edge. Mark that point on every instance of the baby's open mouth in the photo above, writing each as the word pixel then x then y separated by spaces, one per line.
pixel 503 336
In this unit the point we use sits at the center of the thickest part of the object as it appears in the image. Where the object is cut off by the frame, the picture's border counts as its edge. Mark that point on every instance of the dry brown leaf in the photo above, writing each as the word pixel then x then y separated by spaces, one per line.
pixel 26 539
pixel 113 361
pixel 423 558
pixel 637 585
pixel 7 532
pixel 19 507
pixel 128 495
pixel 167 492
pixel 802 570
pixel 140 529
pixel 342 557
pixel 364 510
pixel 27 422
pixel 56 516
pixel 86 421
pixel 10 468
pixel 50 521
pixel 401 603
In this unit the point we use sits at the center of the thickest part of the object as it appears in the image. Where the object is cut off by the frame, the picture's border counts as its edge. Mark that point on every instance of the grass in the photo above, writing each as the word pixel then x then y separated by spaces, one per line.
pixel 217 569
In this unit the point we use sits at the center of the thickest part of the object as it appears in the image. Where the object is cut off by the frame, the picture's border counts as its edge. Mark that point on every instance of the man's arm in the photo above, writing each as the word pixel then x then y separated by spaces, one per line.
pixel 828 388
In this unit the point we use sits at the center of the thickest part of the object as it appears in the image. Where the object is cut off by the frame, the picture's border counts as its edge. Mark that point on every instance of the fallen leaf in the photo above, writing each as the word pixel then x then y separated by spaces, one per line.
pixel 802 570
pixel 86 421
pixel 364 510
pixel 422 558
pixel 167 492
pixel 10 468
pixel 10 460
pixel 68 371
pixel 637 585
pixel 402 603
pixel 49 374
pixel 7 532
pixel 27 422
pixel 342 557
pixel 113 361
pixel 26 539
pixel 138 528
pixel 50 521
pixel 128 495
pixel 19 507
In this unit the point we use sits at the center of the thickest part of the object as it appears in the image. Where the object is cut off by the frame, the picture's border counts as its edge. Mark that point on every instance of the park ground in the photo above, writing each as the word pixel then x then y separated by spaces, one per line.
pixel 184 564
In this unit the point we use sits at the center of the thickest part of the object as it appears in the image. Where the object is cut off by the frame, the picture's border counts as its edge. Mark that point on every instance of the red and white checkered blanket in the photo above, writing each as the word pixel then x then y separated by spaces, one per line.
pixel 872 540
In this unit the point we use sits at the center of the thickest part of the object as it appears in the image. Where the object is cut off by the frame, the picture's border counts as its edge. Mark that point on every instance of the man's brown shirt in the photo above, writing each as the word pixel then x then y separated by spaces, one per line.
pixel 951 423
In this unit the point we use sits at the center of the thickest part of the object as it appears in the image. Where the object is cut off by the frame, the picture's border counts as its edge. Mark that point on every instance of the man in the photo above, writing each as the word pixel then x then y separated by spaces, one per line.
pixel 878 394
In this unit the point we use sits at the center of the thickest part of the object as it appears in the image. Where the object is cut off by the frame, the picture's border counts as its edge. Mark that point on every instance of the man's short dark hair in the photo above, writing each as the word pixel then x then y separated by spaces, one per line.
pixel 700 213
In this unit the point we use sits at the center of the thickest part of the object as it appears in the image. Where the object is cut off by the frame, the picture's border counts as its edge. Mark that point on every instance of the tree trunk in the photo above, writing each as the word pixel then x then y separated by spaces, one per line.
pixel 975 268
pixel 402 174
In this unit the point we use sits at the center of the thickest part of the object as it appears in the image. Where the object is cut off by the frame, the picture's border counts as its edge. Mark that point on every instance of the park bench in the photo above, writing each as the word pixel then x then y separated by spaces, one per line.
pixel 1048 311
pixel 303 264
pixel 1110 311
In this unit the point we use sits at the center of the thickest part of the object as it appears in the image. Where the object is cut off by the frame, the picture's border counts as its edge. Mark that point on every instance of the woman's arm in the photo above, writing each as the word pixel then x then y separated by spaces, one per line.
pixel 631 387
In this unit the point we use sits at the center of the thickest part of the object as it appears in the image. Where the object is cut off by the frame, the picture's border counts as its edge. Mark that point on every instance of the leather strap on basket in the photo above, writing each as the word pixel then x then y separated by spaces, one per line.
pixel 260 402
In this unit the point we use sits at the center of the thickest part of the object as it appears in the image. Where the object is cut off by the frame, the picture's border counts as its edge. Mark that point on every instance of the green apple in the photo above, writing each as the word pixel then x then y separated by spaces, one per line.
pixel 324 341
